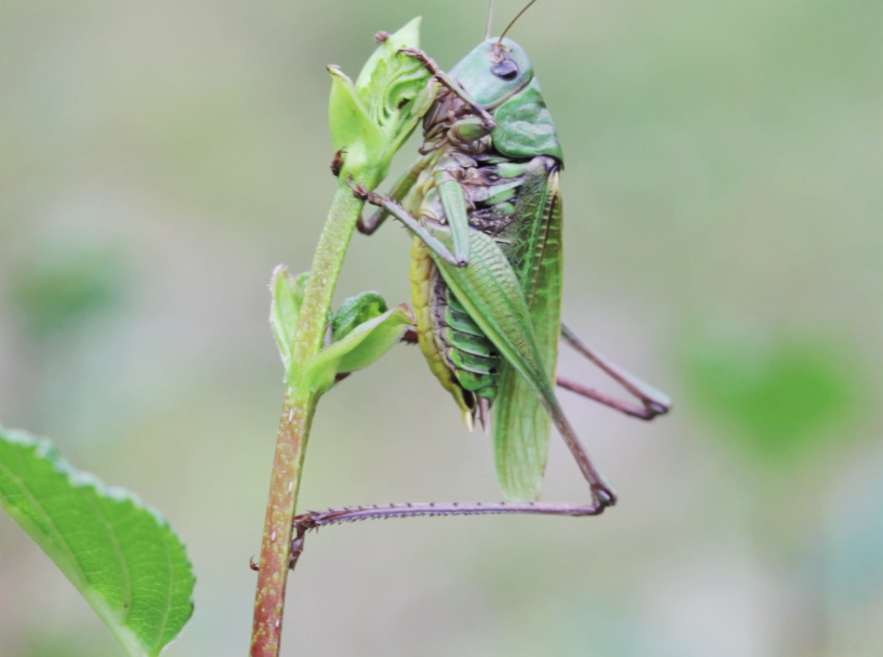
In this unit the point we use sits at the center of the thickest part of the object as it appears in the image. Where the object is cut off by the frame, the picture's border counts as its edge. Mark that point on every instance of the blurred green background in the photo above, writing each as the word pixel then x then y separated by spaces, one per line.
pixel 722 208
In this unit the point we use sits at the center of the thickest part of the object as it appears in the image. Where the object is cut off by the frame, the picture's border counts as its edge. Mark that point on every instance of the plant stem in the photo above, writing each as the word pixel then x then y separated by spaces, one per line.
pixel 294 427
pixel 294 424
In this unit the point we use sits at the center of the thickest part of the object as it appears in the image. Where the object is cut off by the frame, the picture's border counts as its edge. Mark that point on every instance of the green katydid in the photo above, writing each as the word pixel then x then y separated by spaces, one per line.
pixel 484 208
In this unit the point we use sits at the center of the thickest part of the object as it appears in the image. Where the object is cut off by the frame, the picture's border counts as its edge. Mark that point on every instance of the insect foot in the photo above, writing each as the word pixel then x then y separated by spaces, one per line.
pixel 297 544
pixel 421 57
pixel 363 194
pixel 604 496
pixel 657 408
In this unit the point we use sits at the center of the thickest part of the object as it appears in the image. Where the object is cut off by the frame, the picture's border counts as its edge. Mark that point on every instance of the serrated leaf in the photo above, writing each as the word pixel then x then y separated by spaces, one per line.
pixel 288 293
pixel 120 554
pixel 364 345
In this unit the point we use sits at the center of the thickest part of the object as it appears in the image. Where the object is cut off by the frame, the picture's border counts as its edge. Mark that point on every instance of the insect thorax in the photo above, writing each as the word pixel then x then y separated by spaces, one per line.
pixel 440 126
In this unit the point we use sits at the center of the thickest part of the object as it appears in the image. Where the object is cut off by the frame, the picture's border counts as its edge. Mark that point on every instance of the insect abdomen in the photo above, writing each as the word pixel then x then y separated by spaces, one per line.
pixel 423 293
pixel 462 358
pixel 470 354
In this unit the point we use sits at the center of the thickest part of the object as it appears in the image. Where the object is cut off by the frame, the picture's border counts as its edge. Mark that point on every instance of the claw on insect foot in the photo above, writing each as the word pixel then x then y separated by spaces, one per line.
pixel 604 496
pixel 359 191
pixel 363 194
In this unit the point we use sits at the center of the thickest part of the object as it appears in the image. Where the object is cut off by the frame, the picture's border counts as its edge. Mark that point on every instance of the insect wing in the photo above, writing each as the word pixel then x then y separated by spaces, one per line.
pixel 492 294
pixel 521 423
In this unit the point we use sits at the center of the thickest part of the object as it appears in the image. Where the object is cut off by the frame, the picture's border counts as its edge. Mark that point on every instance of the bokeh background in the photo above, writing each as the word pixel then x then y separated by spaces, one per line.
pixel 723 205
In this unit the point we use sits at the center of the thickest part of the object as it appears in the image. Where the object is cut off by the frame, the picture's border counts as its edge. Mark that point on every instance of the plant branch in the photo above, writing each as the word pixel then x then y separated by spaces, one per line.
pixel 294 424
pixel 369 120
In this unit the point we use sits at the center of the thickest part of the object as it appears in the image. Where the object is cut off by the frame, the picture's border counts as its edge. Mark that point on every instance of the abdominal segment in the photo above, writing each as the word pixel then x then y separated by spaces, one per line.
pixel 465 348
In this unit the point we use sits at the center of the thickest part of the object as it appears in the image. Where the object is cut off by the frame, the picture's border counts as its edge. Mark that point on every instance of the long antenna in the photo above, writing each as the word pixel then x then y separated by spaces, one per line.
pixel 490 18
pixel 515 19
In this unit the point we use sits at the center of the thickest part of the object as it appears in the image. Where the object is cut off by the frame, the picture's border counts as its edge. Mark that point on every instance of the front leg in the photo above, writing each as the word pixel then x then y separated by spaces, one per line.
pixel 398 192
pixel 456 213
pixel 450 83
pixel 394 209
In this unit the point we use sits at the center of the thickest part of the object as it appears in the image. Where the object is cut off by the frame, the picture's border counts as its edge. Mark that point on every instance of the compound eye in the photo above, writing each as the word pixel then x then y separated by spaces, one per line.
pixel 507 69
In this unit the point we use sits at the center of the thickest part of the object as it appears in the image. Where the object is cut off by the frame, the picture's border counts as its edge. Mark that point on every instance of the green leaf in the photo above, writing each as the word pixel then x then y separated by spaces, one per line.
pixel 352 128
pixel 407 36
pixel 390 80
pixel 372 118
pixel 354 311
pixel 288 293
pixel 360 347
pixel 121 555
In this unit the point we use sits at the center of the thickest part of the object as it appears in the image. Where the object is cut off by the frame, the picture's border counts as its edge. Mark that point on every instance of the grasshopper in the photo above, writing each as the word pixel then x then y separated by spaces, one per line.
pixel 483 205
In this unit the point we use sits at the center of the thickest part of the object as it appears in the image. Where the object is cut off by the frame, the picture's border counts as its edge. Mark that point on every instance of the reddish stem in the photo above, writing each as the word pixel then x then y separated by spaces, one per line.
pixel 294 427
